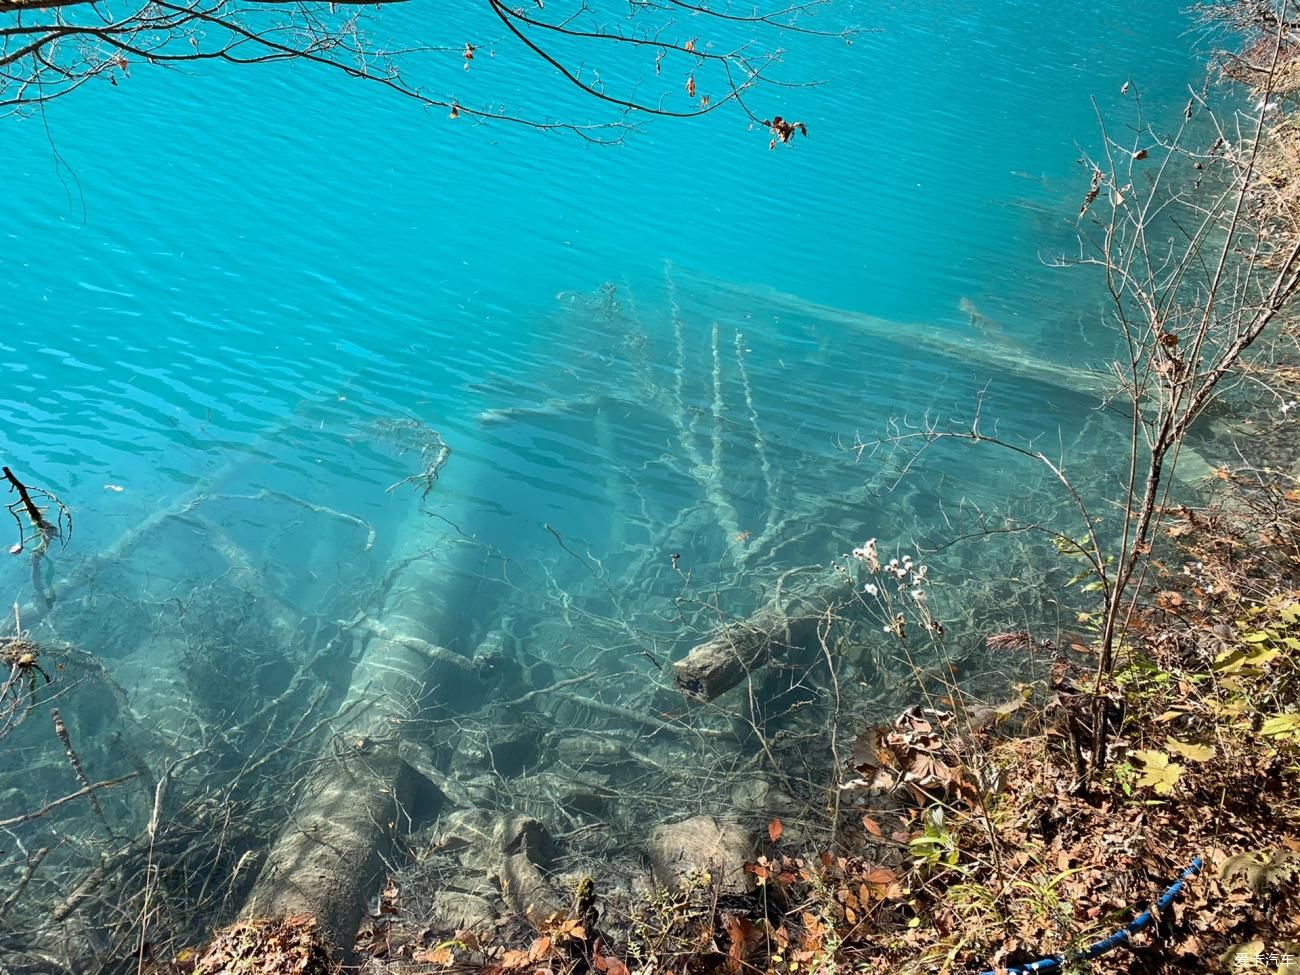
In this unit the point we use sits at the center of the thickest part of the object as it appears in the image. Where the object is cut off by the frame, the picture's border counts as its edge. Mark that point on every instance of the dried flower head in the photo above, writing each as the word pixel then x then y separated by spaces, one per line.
pixel 867 553
pixel 1017 640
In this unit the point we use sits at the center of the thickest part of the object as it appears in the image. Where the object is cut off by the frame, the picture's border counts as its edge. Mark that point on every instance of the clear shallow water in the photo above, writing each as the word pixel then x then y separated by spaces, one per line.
pixel 230 280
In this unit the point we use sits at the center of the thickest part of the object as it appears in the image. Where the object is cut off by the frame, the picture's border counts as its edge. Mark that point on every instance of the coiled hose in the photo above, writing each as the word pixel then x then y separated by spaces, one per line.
pixel 1054 963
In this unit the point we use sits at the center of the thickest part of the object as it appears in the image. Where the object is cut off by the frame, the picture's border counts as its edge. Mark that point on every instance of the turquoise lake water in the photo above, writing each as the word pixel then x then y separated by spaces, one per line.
pixel 268 286
pixel 199 255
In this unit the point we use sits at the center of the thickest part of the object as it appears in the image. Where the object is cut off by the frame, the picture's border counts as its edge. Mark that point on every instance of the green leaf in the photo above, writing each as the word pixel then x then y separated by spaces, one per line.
pixel 1257 636
pixel 1229 660
pixel 1197 753
pixel 1079 577
pixel 1158 772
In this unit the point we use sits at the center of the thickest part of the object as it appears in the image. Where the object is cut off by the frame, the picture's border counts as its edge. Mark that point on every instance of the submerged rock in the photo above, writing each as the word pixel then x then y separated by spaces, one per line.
pixel 514 834
pixel 454 910
pixel 525 890
pixel 526 849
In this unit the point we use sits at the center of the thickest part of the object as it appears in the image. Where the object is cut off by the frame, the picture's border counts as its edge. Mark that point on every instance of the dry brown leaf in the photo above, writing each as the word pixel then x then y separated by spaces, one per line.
pixel 881 876
pixel 741 933
pixel 539 948
pixel 441 955
pixel 514 958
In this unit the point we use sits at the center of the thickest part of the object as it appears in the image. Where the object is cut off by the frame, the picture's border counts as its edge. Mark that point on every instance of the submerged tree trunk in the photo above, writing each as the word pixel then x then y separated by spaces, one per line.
pixel 788 622
pixel 361 795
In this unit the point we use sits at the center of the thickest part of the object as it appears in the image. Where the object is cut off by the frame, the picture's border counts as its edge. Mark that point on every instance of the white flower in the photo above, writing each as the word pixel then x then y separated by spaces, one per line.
pixel 870 589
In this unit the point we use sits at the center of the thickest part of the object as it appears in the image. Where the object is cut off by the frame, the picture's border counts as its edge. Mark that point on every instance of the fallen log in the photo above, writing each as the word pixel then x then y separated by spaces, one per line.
pixel 788 622
pixel 361 795
pixel 991 354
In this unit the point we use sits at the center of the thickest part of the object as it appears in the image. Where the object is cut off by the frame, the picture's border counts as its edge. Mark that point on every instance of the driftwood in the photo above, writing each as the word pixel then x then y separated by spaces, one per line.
pixel 789 621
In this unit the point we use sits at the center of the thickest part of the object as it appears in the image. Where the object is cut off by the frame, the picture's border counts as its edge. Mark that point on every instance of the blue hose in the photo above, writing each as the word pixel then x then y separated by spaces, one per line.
pixel 1054 963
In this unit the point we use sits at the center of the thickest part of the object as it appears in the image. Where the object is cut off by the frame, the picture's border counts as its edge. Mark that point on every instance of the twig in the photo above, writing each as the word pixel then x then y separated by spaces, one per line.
pixel 71 797
pixel 44 528
pixel 382 632
pixel 433 449
pixel 61 730
pixel 547 690
pixel 760 442
pixel 638 717
pixel 33 862
pixel 318 509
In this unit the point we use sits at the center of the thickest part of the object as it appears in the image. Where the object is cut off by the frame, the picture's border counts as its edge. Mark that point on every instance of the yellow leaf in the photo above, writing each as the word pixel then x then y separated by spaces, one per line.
pixel 1280 725
pixel 1158 772
pixel 1197 753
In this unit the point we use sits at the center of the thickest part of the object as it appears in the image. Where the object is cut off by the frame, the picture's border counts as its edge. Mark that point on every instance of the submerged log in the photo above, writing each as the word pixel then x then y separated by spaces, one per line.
pixel 998 355
pixel 681 852
pixel 987 350
pixel 789 622
pixel 361 794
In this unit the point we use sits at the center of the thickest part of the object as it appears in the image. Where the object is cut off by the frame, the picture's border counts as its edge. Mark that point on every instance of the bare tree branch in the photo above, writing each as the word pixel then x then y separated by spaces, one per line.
pixel 49 48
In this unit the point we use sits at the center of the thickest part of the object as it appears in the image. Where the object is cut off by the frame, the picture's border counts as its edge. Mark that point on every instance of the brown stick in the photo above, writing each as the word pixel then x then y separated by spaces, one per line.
pixel 25 499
